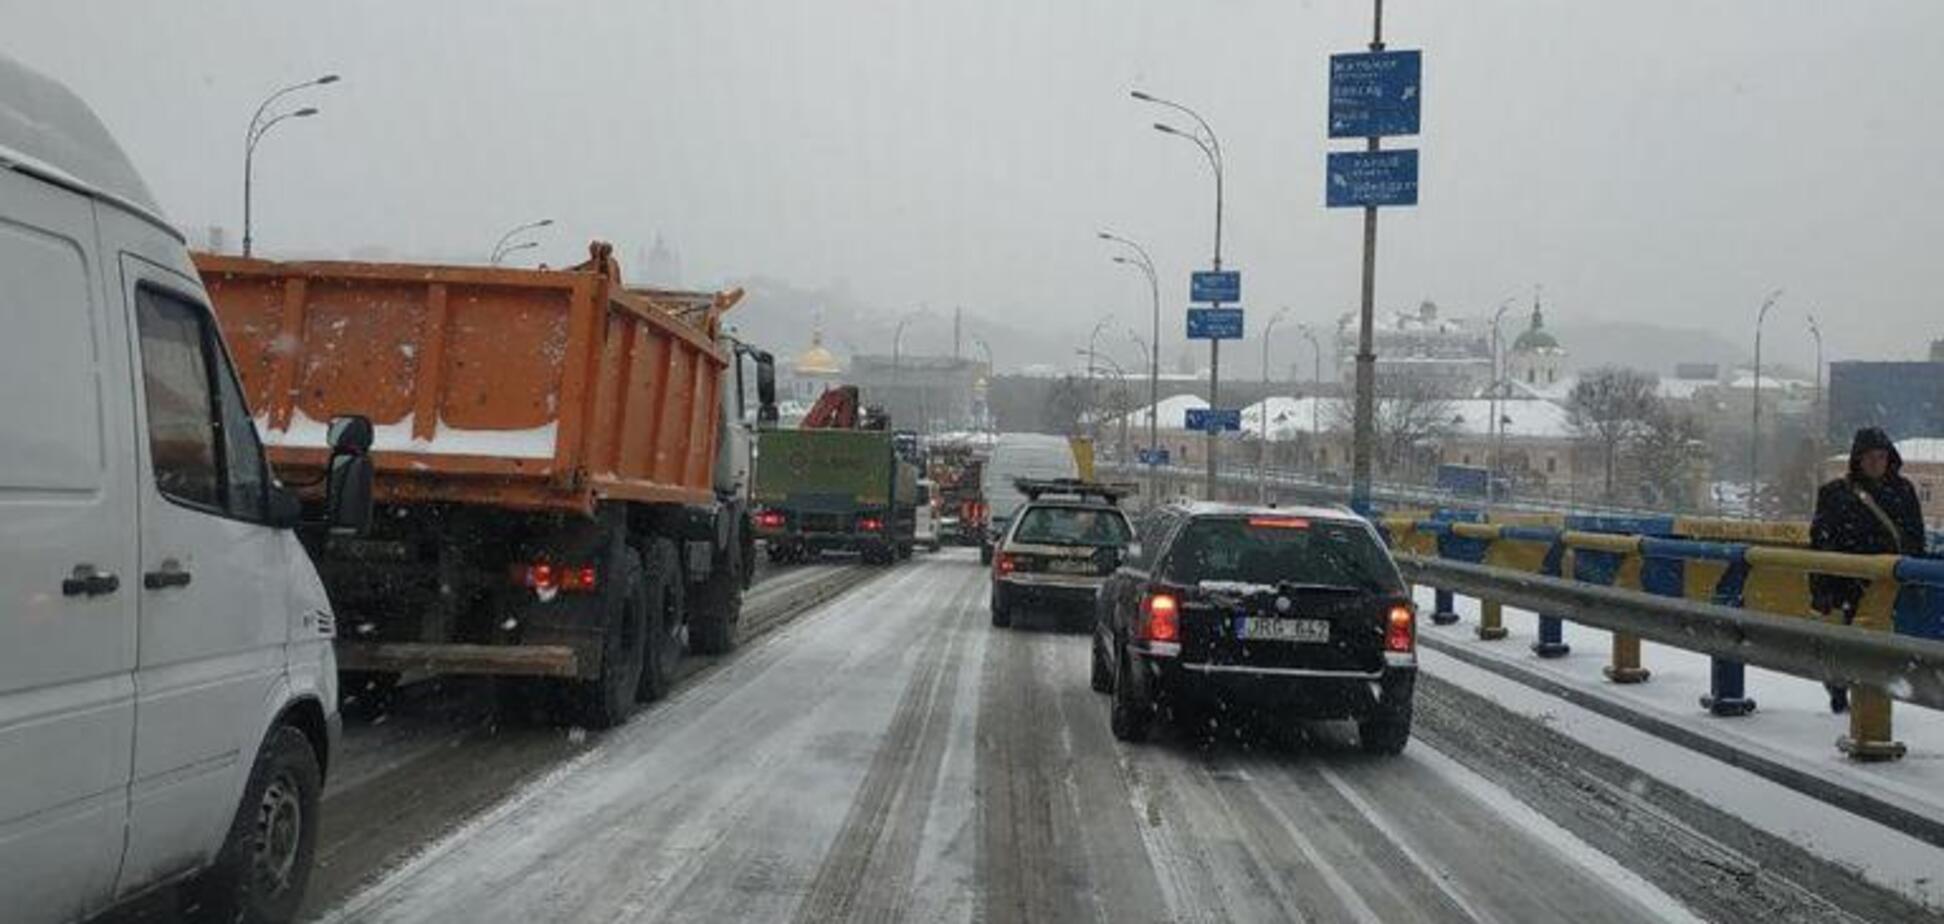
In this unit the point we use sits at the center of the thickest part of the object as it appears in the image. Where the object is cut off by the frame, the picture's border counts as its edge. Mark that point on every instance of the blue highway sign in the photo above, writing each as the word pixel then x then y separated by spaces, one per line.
pixel 1214 323
pixel 1373 94
pixel 1355 179
pixel 1210 420
pixel 1216 286
pixel 1153 456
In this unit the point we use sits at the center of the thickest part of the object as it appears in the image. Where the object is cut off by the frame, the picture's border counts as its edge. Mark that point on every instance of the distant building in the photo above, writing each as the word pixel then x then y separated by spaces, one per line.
pixel 1904 398
pixel 660 266
pixel 928 394
pixel 1447 356
pixel 1536 358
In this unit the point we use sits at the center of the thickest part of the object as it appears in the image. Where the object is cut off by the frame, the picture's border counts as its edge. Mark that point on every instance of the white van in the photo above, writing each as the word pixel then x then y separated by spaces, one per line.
pixel 925 527
pixel 1015 456
pixel 167 689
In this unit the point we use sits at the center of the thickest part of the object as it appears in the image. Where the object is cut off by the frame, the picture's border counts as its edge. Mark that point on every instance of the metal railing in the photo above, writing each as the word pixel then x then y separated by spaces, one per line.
pixel 1737 603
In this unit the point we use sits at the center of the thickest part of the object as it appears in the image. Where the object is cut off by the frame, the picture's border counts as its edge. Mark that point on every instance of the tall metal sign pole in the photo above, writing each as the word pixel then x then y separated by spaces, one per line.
pixel 1365 424
pixel 1371 95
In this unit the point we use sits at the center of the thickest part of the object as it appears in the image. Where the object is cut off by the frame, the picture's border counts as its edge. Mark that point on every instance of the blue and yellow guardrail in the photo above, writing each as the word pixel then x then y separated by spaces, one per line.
pixel 1764 570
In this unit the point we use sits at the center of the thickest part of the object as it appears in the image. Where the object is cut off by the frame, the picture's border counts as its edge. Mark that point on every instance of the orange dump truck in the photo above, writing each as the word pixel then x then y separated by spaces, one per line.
pixel 562 464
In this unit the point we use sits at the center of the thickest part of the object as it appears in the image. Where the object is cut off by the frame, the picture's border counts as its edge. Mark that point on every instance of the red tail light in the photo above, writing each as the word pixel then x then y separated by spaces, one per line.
pixel 548 577
pixel 770 519
pixel 1279 522
pixel 1400 630
pixel 1007 564
pixel 870 524
pixel 1163 622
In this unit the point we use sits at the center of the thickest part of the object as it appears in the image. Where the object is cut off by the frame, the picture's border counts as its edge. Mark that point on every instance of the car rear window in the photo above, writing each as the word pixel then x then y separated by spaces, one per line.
pixel 1271 550
pixel 1072 526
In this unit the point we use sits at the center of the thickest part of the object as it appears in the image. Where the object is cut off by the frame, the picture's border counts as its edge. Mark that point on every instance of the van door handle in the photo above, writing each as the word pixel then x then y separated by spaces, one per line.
pixel 169 576
pixel 86 581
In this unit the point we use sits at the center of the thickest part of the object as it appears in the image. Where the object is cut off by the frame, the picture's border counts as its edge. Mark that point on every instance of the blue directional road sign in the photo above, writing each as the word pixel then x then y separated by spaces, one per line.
pixel 1215 286
pixel 1210 420
pixel 1375 93
pixel 1214 323
pixel 1356 179
pixel 1153 456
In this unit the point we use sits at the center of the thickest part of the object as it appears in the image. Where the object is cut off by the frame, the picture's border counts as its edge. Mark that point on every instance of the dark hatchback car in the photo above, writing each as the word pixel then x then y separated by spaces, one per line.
pixel 1058 548
pixel 1299 613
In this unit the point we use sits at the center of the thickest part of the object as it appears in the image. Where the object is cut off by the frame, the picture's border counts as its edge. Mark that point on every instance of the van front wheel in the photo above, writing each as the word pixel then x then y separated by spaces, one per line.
pixel 259 875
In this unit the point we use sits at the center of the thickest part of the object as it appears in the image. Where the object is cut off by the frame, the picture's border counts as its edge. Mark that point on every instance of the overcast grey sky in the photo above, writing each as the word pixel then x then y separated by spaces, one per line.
pixel 1664 160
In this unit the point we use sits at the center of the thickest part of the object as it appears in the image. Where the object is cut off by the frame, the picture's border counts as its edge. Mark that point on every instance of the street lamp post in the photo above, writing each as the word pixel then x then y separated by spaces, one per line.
pixel 1211 146
pixel 1316 391
pixel 1816 419
pixel 258 127
pixel 500 257
pixel 1146 265
pixel 503 246
pixel 1755 406
pixel 1262 417
pixel 1497 426
pixel 1120 405
pixel 897 366
pixel 1093 394
pixel 990 372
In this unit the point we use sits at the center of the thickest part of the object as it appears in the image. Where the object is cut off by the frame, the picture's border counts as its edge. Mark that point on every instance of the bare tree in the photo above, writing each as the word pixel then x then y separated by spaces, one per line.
pixel 1407 413
pixel 1665 452
pixel 1608 408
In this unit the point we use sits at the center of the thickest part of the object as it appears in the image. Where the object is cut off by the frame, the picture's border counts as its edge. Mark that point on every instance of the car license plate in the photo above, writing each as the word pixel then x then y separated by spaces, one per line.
pixel 1071 566
pixel 1265 629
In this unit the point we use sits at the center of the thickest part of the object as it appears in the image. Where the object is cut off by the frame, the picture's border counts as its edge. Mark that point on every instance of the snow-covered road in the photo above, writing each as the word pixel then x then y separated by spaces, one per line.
pixel 891 756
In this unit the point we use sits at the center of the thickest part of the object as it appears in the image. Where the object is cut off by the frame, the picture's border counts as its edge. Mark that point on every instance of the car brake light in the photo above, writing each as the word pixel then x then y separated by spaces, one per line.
pixel 1279 522
pixel 1007 564
pixel 547 577
pixel 770 519
pixel 1163 622
pixel 1398 634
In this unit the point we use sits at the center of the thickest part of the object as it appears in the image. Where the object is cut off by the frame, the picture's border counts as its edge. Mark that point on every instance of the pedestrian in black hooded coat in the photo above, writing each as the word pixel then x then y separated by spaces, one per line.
pixel 1872 510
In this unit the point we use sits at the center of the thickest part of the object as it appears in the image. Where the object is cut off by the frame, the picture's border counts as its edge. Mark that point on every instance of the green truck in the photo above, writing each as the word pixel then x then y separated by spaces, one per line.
pixel 831 490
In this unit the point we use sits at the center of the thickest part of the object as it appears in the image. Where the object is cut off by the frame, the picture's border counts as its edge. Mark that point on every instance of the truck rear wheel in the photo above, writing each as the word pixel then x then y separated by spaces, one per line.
pixel 666 620
pixel 718 605
pixel 607 700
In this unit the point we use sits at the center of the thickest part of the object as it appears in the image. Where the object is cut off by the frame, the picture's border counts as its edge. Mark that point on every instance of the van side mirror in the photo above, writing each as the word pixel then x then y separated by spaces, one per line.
pixel 766 414
pixel 348 480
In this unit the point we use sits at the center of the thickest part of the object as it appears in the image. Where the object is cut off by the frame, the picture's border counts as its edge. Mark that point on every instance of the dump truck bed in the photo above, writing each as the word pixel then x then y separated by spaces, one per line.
pixel 527 389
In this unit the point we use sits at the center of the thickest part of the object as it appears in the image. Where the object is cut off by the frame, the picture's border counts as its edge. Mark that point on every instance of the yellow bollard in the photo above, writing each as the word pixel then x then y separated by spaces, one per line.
pixel 1869 736
pixel 1626 660
pixel 1491 620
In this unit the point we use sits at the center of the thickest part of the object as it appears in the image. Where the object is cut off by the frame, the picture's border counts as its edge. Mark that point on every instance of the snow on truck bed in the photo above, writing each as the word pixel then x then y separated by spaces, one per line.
pixel 533 443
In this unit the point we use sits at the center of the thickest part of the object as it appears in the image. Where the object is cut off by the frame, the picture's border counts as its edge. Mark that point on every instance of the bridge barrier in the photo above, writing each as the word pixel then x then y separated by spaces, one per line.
pixel 1737 602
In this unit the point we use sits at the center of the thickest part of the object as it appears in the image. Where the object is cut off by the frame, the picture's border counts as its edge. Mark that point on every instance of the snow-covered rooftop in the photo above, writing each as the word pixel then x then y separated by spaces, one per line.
pixel 1173 412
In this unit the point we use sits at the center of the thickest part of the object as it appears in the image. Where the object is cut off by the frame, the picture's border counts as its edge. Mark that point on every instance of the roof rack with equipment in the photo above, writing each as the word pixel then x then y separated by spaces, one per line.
pixel 1034 488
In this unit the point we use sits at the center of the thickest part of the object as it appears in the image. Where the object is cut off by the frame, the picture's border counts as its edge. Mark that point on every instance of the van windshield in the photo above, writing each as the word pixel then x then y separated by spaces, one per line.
pixel 1274 550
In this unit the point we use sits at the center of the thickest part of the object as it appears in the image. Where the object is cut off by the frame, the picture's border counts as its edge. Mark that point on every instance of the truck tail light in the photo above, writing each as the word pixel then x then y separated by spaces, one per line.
pixel 870 524
pixel 1161 620
pixel 1399 630
pixel 547 578
pixel 770 519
